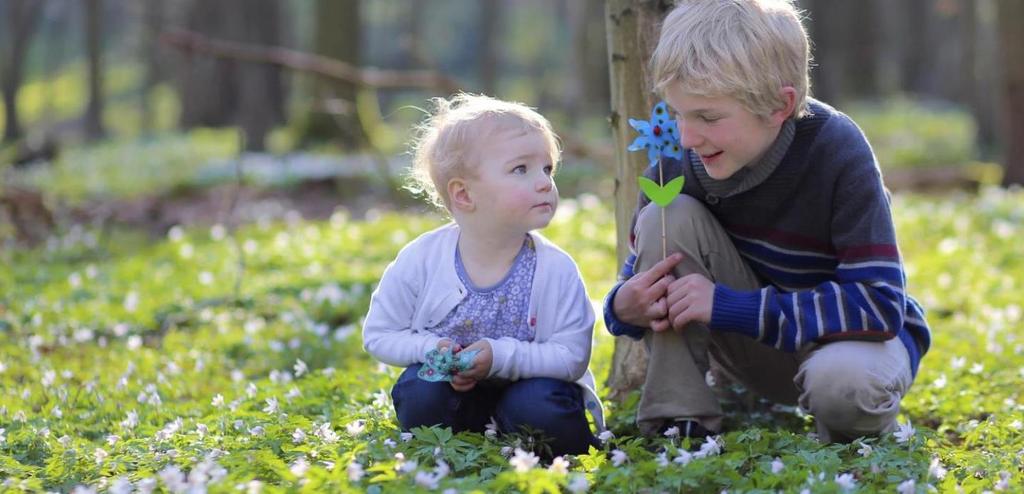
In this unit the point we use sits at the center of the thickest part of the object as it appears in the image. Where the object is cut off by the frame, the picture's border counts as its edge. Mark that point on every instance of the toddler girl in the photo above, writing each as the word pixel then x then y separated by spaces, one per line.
pixel 487 283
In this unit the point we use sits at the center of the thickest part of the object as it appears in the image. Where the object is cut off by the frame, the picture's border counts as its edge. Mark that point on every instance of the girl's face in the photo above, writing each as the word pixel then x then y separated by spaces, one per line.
pixel 721 130
pixel 512 186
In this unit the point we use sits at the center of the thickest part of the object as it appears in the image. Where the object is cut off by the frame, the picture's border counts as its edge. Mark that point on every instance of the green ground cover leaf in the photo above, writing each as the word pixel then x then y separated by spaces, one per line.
pixel 129 360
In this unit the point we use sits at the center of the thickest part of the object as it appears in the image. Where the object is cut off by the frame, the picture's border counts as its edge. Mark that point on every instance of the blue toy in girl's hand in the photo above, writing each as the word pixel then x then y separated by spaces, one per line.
pixel 660 136
pixel 441 365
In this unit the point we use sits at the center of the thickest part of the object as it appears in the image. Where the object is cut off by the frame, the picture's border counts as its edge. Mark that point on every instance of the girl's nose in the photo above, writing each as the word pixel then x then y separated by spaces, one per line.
pixel 545 183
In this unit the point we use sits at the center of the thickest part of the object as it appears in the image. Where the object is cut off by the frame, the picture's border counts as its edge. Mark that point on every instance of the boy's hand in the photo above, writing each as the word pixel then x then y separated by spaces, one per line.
pixel 467 379
pixel 641 301
pixel 690 299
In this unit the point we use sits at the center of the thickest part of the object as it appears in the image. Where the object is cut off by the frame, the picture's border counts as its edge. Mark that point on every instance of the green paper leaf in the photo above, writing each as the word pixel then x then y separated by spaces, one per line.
pixel 662 195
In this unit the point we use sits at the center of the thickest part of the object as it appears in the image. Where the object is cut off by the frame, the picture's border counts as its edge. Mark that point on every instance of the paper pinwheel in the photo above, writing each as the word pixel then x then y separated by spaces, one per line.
pixel 441 365
pixel 661 138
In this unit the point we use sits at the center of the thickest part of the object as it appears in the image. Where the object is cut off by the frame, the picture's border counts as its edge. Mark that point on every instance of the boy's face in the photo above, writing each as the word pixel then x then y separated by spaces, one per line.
pixel 722 131
pixel 513 187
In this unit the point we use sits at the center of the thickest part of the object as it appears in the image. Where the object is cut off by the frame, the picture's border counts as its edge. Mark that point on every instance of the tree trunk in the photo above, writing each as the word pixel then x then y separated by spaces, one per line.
pixel 830 64
pixel 217 92
pixel 258 83
pixel 597 95
pixel 334 118
pixel 587 82
pixel 891 43
pixel 576 80
pixel 632 28
pixel 94 47
pixel 845 37
pixel 985 75
pixel 149 53
pixel 861 34
pixel 1011 44
pixel 915 63
pixel 21 20
pixel 412 39
pixel 205 86
pixel 488 53
pixel 946 46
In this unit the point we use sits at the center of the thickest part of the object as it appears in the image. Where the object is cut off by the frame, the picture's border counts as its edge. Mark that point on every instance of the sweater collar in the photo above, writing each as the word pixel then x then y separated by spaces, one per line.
pixel 751 175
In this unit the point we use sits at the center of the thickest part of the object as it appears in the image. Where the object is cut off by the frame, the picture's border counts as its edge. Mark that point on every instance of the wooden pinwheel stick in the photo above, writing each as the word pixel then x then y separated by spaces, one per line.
pixel 664 240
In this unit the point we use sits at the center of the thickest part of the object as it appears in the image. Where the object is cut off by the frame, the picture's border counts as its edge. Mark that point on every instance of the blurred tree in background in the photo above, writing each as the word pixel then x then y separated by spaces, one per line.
pixel 939 50
pixel 71 69
pixel 20 18
pixel 217 92
pixel 1011 29
pixel 93 117
pixel 337 34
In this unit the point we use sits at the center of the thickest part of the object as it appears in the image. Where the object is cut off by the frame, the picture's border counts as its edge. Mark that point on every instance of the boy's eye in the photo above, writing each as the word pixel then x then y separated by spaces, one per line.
pixel 548 170
pixel 519 170
pixel 708 119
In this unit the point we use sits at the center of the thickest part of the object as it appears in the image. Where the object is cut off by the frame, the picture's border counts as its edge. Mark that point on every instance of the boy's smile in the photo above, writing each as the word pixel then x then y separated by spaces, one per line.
pixel 710 158
pixel 725 135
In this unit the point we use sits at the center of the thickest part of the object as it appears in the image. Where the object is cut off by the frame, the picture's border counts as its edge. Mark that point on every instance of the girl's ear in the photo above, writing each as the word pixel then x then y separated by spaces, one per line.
pixel 788 95
pixel 458 194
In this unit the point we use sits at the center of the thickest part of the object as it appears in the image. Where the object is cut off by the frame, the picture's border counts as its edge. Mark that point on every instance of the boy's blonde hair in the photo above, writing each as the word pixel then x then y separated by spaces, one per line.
pixel 745 49
pixel 444 146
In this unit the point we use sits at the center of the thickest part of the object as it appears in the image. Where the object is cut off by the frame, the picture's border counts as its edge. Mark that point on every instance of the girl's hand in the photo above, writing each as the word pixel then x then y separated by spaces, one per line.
pixel 448 343
pixel 467 379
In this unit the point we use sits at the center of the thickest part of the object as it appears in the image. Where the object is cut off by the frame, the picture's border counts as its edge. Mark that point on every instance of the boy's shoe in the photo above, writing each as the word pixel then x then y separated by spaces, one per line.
pixel 687 428
pixel 684 429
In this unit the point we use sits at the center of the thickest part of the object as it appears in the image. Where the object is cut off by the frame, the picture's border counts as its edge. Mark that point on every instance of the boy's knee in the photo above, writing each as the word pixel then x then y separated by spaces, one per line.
pixel 848 397
pixel 683 217
pixel 688 227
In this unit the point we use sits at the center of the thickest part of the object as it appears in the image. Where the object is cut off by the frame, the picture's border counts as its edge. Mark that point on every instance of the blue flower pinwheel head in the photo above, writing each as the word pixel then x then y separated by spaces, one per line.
pixel 660 136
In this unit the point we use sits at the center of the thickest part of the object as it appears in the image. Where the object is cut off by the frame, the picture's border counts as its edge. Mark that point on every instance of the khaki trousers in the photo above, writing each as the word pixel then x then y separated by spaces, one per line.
pixel 852 388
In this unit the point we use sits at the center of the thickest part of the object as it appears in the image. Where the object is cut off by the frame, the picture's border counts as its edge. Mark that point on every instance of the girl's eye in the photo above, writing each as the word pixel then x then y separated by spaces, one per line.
pixel 548 170
pixel 519 170
pixel 707 119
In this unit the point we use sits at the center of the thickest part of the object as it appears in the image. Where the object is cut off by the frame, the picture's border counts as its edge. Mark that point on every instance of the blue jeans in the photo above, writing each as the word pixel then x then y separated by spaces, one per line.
pixel 551 406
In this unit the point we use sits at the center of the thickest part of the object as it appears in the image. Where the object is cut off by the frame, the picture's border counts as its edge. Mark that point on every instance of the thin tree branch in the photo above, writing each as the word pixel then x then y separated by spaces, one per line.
pixel 329 68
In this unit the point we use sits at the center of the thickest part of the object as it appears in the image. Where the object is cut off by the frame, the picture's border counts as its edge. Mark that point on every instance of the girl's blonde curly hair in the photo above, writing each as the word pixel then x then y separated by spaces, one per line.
pixel 444 145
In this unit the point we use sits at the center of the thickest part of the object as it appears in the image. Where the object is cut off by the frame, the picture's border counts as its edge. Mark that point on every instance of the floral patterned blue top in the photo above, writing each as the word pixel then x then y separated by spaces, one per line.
pixel 497 311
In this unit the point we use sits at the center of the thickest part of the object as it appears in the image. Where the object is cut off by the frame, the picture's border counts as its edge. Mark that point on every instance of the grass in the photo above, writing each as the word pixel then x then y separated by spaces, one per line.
pixel 908 134
pixel 124 360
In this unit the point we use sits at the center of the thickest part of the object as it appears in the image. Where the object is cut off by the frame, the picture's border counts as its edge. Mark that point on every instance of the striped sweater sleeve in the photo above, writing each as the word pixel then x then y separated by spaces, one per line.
pixel 861 298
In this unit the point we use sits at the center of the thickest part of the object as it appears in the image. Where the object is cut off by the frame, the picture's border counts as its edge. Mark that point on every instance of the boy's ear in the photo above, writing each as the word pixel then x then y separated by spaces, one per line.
pixel 788 96
pixel 458 194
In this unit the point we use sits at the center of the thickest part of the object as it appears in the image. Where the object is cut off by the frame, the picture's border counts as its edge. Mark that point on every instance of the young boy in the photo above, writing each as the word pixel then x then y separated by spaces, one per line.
pixel 783 265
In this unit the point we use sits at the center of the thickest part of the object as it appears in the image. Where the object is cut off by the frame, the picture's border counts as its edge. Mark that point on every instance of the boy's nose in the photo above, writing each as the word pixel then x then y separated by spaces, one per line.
pixel 689 139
